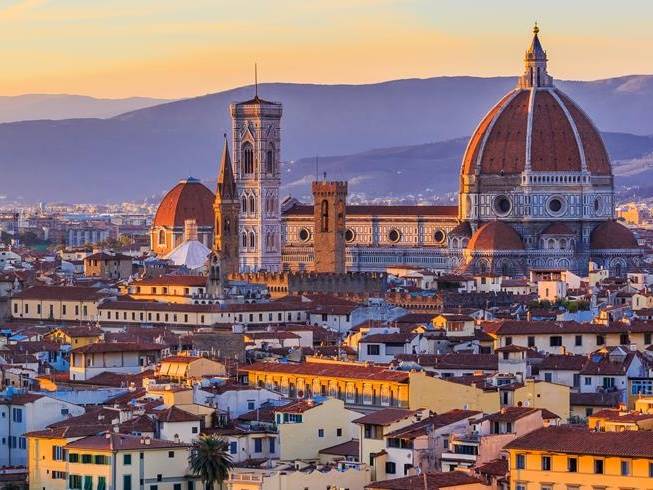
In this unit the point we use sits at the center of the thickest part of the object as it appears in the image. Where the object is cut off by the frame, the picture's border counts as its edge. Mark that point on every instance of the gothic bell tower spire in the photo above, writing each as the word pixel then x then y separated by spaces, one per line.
pixel 224 256
pixel 535 60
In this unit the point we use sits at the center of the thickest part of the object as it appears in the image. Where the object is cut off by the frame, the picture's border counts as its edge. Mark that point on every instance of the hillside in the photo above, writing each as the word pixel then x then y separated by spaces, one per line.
pixel 61 106
pixel 144 152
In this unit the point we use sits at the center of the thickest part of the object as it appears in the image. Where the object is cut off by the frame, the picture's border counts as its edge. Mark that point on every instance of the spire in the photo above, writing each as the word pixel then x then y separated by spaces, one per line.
pixel 535 60
pixel 226 181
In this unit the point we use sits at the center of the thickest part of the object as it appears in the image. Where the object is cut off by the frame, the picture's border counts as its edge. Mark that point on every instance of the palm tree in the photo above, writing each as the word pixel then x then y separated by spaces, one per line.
pixel 210 460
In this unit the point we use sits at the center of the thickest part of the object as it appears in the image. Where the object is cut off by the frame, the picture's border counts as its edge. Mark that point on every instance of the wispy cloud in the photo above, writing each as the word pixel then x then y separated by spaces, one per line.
pixel 10 10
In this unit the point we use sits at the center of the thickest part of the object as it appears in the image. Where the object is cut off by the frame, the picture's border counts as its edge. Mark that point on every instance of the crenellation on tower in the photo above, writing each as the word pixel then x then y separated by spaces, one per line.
pixel 329 215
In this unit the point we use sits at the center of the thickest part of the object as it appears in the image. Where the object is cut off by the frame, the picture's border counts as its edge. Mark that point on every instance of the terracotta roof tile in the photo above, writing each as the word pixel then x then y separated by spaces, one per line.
pixel 349 448
pixel 495 235
pixel 121 442
pixel 434 481
pixel 612 235
pixel 327 370
pixel 629 444
pixel 64 293
pixel 385 416
pixel 365 210
pixel 189 199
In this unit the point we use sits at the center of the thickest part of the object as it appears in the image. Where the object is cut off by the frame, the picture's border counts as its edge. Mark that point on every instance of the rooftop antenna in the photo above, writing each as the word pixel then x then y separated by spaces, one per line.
pixel 317 168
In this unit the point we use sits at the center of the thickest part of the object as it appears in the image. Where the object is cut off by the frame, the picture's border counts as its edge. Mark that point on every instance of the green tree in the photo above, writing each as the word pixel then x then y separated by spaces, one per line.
pixel 209 459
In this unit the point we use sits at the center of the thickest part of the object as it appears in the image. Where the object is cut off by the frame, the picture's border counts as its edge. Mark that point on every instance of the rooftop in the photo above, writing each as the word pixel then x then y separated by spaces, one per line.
pixel 573 440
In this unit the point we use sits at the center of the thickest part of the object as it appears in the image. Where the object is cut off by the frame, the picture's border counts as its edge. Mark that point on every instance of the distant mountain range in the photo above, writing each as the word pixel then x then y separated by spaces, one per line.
pixel 142 153
pixel 61 106
pixel 430 171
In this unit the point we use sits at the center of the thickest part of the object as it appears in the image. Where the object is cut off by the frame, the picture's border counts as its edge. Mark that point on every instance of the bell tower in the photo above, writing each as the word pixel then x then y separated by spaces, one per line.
pixel 256 126
pixel 329 213
pixel 224 256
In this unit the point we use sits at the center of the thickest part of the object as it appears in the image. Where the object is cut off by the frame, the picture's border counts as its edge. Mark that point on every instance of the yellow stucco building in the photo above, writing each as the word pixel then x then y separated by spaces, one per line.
pixel 578 459
pixel 441 395
pixel 105 461
pixel 357 384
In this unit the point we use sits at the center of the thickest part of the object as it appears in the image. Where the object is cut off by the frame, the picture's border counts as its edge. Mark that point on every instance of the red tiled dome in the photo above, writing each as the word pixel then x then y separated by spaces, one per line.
pixel 189 199
pixel 561 136
pixel 557 228
pixel 495 235
pixel 462 229
pixel 612 235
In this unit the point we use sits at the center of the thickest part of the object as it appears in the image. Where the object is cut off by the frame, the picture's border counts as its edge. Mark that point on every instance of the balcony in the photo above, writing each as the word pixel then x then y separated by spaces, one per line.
pixel 245 477
pixel 459 458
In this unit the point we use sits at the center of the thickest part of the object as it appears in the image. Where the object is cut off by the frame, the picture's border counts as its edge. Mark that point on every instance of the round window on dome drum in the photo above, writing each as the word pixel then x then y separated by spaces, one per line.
pixel 304 235
pixel 502 205
pixel 555 205
pixel 439 236
pixel 394 235
pixel 349 235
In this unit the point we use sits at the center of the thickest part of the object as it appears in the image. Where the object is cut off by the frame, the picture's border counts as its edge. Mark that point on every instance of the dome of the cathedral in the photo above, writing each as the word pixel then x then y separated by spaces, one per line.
pixel 612 235
pixel 188 200
pixel 535 128
pixel 543 130
pixel 495 235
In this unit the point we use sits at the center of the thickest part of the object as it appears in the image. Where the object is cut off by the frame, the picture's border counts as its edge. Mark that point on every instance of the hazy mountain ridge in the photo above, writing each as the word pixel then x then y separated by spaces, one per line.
pixel 422 171
pixel 63 106
pixel 144 152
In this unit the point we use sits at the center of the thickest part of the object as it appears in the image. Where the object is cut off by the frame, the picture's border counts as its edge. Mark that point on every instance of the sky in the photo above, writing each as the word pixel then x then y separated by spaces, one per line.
pixel 183 48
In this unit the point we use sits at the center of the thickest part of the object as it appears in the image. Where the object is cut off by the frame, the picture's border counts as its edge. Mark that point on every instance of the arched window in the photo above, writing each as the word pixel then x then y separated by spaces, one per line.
pixel 324 216
pixel 162 237
pixel 247 152
pixel 252 239
pixel 482 267
pixel 506 269
pixel 269 160
pixel 551 244
pixel 227 225
pixel 252 205
pixel 244 239
pixel 618 269
pixel 243 204
pixel 563 243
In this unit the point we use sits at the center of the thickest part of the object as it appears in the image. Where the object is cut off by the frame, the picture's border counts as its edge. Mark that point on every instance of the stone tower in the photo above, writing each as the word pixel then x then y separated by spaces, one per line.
pixel 257 165
pixel 224 256
pixel 329 213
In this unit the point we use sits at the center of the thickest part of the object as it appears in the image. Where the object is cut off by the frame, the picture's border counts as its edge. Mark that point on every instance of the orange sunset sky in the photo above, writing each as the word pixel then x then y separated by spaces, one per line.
pixel 171 49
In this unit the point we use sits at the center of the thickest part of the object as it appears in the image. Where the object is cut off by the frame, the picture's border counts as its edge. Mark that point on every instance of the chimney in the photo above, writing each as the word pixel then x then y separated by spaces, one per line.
pixel 148 441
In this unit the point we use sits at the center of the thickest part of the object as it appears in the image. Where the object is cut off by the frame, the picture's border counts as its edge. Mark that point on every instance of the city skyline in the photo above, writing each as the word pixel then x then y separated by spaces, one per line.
pixel 171 50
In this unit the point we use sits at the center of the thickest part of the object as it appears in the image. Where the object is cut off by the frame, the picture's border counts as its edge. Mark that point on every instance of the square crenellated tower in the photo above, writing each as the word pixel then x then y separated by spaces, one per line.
pixel 329 213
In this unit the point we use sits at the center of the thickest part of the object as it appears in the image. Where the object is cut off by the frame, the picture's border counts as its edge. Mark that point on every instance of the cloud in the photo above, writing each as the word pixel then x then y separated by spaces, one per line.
pixel 13 10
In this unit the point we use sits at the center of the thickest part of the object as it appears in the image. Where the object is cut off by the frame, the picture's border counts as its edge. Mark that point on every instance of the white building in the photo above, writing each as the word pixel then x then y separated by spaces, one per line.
pixel 28 412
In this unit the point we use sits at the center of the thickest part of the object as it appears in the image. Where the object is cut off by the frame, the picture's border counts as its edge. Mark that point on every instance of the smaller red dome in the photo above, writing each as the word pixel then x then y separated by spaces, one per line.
pixel 189 199
pixel 495 235
pixel 462 229
pixel 557 228
pixel 612 235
